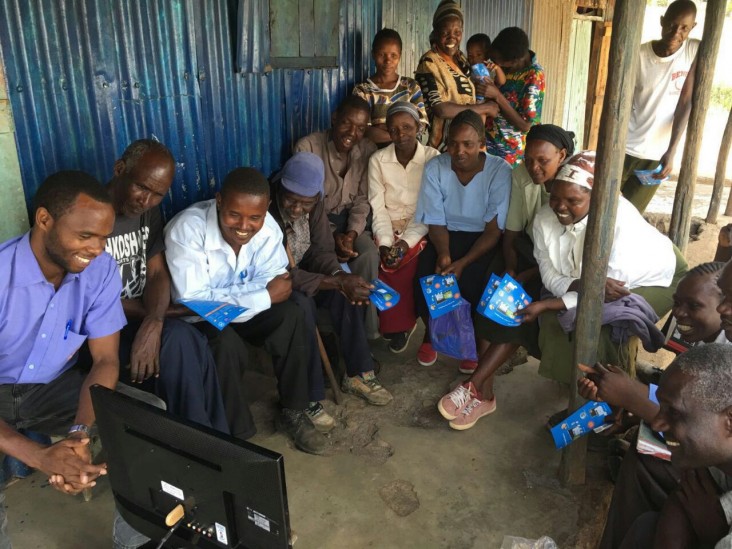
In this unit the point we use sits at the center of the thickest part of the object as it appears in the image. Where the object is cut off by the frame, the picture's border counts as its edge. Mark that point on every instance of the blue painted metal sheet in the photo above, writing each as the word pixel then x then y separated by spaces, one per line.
pixel 86 77
pixel 253 28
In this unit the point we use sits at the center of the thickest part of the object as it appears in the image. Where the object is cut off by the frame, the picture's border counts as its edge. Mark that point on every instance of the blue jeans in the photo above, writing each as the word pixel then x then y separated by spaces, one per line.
pixel 124 536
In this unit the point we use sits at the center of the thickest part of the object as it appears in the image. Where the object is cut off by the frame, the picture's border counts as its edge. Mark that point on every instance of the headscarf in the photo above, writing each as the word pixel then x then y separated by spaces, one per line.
pixel 403 106
pixel 471 119
pixel 303 174
pixel 580 170
pixel 446 9
pixel 559 137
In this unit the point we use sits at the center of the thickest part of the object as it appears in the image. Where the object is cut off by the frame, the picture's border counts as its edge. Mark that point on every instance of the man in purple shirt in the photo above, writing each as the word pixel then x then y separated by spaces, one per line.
pixel 58 289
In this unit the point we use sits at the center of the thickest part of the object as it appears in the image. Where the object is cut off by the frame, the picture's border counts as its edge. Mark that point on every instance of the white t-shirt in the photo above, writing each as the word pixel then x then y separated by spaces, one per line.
pixel 657 90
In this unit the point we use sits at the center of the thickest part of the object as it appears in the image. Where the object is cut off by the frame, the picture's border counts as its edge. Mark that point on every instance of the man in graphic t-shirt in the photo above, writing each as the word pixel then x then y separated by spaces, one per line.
pixel 166 353
pixel 661 101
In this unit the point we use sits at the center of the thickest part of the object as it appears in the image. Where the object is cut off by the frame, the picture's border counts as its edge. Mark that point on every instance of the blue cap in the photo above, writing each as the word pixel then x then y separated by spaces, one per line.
pixel 303 174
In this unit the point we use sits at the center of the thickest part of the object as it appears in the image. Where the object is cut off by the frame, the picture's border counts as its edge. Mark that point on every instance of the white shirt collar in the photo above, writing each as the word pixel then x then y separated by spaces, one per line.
pixel 390 155
pixel 214 240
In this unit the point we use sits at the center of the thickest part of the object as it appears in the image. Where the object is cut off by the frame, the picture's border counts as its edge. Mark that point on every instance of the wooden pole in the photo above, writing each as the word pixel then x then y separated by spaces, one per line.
pixel 598 79
pixel 623 64
pixel 706 58
pixel 721 172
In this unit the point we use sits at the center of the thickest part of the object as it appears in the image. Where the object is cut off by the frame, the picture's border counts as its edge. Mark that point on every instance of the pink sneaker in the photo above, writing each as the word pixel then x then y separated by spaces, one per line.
pixel 453 402
pixel 468 367
pixel 472 412
pixel 426 355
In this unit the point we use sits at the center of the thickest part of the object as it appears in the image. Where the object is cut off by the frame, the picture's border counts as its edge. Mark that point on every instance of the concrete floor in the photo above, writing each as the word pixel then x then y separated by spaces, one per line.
pixel 471 488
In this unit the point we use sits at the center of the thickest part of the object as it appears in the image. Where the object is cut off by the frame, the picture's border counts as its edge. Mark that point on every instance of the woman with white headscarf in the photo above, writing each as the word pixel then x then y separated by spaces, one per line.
pixel 642 261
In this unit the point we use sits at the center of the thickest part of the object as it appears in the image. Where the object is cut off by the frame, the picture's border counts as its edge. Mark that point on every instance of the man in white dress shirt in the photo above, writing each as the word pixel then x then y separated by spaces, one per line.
pixel 229 249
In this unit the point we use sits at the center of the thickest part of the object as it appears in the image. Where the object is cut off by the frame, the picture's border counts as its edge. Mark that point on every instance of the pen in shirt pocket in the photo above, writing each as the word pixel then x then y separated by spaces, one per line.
pixel 68 327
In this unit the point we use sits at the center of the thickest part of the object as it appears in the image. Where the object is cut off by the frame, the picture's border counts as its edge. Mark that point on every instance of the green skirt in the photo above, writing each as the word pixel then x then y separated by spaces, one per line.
pixel 556 345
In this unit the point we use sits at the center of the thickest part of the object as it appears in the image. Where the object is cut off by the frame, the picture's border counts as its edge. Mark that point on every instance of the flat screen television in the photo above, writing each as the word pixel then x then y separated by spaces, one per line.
pixel 233 491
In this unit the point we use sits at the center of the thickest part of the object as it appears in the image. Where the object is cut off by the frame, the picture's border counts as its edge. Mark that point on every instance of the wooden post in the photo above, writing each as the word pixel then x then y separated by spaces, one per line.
pixel 623 65
pixel 597 81
pixel 706 58
pixel 720 174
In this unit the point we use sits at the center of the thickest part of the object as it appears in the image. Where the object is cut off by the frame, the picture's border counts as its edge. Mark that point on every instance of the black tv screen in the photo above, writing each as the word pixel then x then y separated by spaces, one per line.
pixel 234 491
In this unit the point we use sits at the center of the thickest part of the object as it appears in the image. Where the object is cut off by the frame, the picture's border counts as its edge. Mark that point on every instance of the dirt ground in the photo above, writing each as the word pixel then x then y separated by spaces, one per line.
pixel 398 476
pixel 395 476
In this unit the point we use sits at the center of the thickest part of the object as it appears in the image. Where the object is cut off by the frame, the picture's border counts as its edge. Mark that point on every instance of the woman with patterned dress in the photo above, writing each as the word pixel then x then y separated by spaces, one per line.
pixel 520 99
pixel 387 86
pixel 444 75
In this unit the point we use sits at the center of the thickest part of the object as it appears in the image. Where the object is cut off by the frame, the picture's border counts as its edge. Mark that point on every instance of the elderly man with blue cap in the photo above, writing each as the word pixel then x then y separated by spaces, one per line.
pixel 319 282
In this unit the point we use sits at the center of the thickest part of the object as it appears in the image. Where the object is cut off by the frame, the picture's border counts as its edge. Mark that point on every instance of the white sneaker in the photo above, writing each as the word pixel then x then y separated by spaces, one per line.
pixel 321 420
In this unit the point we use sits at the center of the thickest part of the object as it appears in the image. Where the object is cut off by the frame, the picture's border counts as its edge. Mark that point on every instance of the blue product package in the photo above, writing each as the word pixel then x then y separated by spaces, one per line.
pixel 652 389
pixel 441 293
pixel 480 71
pixel 217 313
pixel 502 300
pixel 646 176
pixel 590 417
pixel 382 296
pixel 490 288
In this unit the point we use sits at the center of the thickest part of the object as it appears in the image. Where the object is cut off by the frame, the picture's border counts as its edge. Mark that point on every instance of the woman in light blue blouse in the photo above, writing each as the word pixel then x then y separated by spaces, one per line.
pixel 464 199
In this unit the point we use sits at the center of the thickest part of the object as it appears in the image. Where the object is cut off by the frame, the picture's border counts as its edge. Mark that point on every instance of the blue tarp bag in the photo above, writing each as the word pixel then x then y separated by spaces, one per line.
pixel 452 333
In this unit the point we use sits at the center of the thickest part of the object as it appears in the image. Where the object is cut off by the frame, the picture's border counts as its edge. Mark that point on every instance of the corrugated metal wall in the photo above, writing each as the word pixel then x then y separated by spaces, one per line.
pixel 490 16
pixel 86 77
pixel 575 102
pixel 13 217
pixel 551 28
pixel 413 20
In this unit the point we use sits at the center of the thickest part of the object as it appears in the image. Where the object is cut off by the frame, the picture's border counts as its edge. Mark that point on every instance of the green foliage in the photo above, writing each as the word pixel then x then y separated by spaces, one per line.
pixel 722 96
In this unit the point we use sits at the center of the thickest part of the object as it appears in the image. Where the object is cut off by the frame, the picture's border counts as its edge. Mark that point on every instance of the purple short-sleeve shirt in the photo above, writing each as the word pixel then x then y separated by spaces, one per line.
pixel 42 328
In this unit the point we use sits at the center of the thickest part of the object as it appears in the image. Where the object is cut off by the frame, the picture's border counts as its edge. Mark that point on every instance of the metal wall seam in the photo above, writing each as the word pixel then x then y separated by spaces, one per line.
pixel 552 27
pixel 491 16
pixel 88 77
pixel 412 19
pixel 253 30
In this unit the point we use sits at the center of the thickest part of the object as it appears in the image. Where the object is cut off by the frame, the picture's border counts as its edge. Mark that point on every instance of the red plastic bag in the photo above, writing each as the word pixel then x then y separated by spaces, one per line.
pixel 453 334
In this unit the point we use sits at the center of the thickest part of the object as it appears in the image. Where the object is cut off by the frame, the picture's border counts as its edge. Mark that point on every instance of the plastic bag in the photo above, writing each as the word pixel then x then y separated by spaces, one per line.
pixel 452 333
